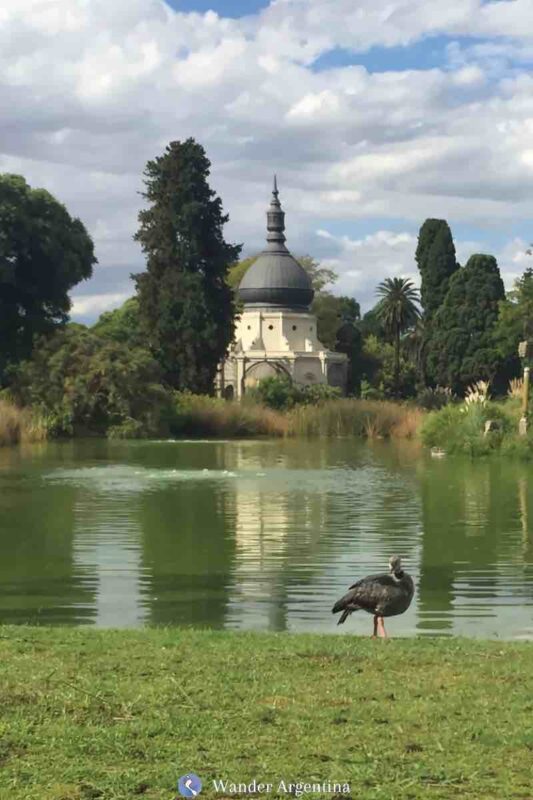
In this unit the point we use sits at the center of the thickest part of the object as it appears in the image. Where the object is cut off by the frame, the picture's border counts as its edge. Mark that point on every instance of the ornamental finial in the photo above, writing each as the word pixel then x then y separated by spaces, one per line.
pixel 275 222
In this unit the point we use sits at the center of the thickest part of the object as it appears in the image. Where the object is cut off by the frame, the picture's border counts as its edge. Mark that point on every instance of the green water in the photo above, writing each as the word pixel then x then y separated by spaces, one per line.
pixel 263 535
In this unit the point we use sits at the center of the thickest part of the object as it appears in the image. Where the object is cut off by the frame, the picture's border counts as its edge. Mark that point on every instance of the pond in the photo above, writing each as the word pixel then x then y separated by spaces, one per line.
pixel 261 535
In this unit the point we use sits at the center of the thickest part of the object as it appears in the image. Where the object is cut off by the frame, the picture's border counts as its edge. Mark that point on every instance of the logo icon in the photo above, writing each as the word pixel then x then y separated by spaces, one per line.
pixel 189 785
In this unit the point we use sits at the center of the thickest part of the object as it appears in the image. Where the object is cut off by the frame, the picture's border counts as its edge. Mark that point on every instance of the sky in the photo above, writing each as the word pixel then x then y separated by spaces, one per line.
pixel 374 114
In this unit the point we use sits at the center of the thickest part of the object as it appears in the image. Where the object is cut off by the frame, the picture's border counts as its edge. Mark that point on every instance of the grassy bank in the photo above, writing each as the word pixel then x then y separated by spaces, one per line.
pixel 200 415
pixel 119 714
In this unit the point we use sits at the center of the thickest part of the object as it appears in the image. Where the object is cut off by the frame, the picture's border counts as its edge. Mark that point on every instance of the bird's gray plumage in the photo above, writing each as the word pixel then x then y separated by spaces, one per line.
pixel 383 595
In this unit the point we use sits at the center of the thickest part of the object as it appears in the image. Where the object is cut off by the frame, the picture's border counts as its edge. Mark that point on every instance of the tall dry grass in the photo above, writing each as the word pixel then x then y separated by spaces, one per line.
pixel 200 415
pixel 19 425
pixel 206 416
pixel 352 417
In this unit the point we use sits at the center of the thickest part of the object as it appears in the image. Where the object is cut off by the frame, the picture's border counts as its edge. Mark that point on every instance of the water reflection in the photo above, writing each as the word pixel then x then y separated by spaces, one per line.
pixel 261 535
pixel 109 567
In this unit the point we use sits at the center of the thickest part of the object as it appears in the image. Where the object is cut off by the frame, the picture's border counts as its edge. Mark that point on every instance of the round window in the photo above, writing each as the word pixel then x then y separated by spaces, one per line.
pixel 270 327
pixel 294 327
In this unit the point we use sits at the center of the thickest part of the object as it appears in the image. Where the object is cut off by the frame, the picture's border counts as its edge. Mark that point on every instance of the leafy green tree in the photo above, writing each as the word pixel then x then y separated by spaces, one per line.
pixel 83 382
pixel 371 324
pixel 435 256
pixel 379 372
pixel 462 347
pixel 350 342
pixel 185 303
pixel 282 394
pixel 397 311
pixel 123 324
pixel 44 252
pixel 515 321
pixel 320 276
pixel 332 312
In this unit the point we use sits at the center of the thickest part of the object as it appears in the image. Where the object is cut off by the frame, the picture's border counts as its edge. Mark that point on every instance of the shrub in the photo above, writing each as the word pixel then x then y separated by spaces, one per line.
pixel 79 382
pixel 433 399
pixel 275 392
pixel 280 393
pixel 460 429
pixel 128 429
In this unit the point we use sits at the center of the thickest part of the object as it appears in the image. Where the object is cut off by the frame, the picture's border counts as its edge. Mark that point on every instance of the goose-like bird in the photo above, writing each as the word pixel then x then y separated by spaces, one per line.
pixel 382 595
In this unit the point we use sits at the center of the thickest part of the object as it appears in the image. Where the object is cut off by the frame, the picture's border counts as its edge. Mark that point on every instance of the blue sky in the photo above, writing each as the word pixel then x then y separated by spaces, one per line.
pixel 375 114
pixel 224 8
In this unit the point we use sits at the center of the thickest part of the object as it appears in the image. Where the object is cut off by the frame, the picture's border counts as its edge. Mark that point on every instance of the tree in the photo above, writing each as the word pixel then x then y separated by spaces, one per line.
pixel 371 324
pixel 186 305
pixel 83 382
pixel 516 315
pixel 462 347
pixel 378 370
pixel 350 342
pixel 44 252
pixel 123 324
pixel 435 256
pixel 332 312
pixel 237 271
pixel 320 276
pixel 397 311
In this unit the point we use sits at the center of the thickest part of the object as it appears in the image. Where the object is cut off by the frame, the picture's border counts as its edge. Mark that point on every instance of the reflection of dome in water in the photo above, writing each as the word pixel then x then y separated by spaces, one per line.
pixel 276 279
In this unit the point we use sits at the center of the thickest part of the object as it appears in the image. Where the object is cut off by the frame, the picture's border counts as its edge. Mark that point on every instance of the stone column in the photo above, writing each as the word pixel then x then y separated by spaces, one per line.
pixel 522 425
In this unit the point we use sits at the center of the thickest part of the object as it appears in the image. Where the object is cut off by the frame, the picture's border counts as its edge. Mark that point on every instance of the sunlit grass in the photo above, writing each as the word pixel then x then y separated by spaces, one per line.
pixel 88 713
pixel 20 425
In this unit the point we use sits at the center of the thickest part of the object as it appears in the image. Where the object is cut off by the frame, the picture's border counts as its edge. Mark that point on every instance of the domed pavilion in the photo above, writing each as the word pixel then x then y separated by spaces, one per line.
pixel 276 334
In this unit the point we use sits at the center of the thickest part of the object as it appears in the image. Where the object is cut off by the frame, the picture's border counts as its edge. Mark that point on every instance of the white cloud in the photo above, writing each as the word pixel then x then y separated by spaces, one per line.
pixel 94 89
pixel 94 304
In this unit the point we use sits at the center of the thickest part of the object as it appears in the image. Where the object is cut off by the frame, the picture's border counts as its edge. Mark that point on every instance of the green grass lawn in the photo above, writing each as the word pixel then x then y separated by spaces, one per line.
pixel 87 714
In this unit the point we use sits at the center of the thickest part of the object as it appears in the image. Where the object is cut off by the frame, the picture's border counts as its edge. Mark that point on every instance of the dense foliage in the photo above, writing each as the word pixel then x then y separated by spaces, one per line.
pixel 435 256
pixel 186 305
pixel 123 324
pixel 462 344
pixel 397 311
pixel 83 383
pixel 515 321
pixel 281 393
pixel 44 252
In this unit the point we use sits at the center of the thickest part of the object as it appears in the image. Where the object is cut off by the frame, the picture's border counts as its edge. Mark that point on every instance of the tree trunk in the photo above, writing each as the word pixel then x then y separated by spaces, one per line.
pixel 397 361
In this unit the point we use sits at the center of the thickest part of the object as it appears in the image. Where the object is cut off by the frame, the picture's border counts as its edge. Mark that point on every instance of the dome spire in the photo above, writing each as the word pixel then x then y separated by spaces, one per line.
pixel 275 222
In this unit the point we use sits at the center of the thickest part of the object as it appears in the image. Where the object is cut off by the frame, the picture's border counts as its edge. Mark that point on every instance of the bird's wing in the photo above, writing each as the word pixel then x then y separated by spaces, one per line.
pixel 384 579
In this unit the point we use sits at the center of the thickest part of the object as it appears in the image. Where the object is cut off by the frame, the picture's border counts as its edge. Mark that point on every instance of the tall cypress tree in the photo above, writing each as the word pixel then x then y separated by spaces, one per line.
pixel 186 306
pixel 435 256
pixel 463 346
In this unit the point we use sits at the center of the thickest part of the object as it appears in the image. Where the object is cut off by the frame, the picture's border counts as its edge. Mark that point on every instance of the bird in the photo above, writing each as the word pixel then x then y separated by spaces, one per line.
pixel 383 595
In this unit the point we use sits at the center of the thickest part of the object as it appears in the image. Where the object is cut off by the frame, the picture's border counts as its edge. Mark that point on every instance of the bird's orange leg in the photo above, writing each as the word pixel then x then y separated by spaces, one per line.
pixel 375 627
pixel 381 628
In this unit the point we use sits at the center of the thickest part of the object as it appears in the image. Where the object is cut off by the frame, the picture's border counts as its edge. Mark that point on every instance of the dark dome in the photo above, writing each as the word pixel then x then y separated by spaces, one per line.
pixel 276 279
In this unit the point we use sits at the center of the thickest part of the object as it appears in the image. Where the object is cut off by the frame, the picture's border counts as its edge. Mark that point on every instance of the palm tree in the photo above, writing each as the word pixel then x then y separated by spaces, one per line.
pixel 397 311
